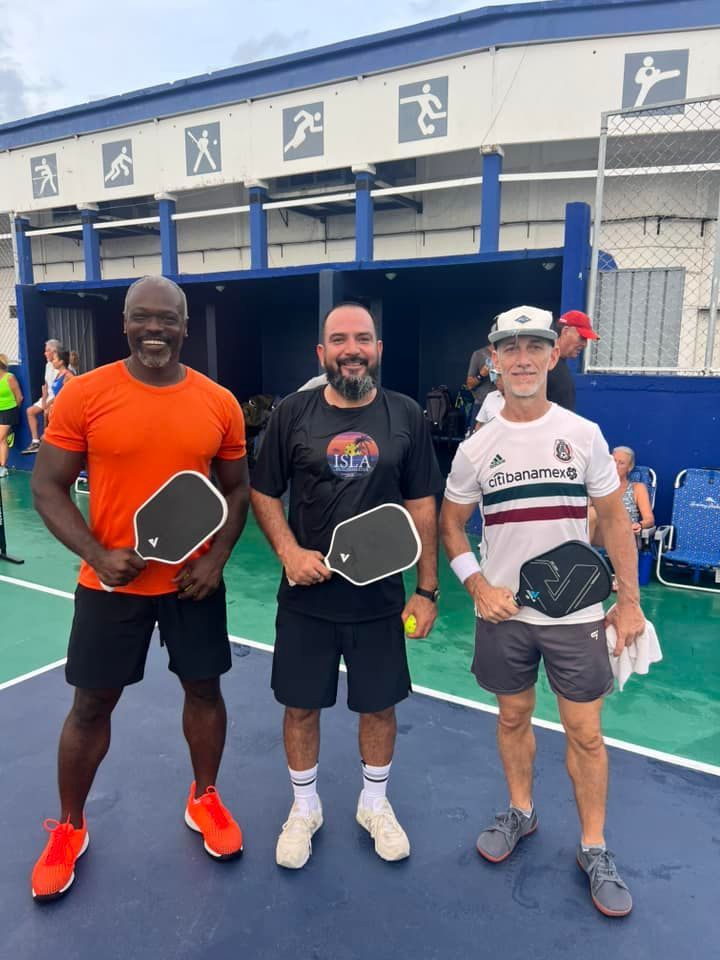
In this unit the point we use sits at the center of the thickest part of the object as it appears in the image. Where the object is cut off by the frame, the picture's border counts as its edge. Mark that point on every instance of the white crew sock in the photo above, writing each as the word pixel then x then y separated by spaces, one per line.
pixel 374 785
pixel 304 784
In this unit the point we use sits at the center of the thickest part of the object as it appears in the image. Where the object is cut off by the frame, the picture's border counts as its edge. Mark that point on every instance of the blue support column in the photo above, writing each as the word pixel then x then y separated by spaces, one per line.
pixel 23 251
pixel 364 227
pixel 331 290
pixel 168 234
pixel 257 190
pixel 576 257
pixel 492 161
pixel 91 241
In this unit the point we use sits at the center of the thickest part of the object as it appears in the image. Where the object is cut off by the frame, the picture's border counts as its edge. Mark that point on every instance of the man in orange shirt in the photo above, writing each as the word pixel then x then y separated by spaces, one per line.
pixel 137 422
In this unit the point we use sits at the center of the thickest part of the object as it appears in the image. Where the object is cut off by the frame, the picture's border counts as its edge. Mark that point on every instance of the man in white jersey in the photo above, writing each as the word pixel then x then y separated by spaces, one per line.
pixel 533 468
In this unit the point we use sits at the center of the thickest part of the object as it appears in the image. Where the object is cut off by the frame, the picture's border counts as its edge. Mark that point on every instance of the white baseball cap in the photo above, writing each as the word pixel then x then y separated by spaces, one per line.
pixel 523 322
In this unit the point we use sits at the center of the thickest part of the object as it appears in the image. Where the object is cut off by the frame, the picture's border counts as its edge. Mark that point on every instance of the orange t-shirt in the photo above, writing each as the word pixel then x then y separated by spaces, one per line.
pixel 136 437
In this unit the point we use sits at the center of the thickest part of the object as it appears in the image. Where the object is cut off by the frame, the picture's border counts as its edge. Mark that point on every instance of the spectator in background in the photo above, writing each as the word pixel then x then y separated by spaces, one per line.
pixel 38 408
pixel 492 403
pixel 74 365
pixel 574 329
pixel 635 498
pixel 314 382
pixel 478 379
pixel 10 399
pixel 61 366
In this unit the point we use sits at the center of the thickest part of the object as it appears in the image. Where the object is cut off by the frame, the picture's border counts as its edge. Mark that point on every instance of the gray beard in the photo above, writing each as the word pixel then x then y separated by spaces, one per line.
pixel 154 360
pixel 352 388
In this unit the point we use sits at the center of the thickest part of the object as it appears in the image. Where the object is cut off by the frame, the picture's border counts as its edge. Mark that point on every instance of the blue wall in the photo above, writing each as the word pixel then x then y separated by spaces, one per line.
pixel 670 422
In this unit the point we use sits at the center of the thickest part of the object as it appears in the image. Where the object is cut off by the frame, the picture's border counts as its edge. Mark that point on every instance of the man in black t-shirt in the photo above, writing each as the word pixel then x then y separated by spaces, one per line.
pixel 343 450
pixel 574 329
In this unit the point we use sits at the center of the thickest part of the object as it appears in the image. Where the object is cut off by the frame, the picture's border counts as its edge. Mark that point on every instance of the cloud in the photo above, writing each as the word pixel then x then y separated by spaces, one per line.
pixel 269 45
pixel 14 92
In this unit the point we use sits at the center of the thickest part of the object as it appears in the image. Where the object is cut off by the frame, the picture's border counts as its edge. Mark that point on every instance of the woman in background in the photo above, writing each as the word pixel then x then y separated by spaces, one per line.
pixel 10 400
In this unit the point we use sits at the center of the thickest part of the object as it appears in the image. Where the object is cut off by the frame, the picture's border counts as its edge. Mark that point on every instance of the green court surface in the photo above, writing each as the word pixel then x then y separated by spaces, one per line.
pixel 675 709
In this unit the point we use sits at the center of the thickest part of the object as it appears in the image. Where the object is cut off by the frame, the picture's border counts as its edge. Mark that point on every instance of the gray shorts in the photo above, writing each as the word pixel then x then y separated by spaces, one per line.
pixel 507 656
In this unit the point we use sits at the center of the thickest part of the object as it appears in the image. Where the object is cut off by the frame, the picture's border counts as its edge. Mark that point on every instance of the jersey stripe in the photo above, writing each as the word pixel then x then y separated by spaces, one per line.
pixel 535 490
pixel 523 514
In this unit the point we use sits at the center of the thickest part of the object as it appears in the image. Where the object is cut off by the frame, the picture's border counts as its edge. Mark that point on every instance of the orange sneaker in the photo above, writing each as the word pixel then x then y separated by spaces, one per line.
pixel 54 872
pixel 210 817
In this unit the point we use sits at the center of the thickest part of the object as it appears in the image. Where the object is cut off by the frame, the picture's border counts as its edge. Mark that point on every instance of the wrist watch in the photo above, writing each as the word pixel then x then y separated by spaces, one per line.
pixel 428 594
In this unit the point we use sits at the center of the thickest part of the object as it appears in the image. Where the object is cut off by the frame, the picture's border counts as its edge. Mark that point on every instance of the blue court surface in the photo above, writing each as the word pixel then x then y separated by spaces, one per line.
pixel 146 889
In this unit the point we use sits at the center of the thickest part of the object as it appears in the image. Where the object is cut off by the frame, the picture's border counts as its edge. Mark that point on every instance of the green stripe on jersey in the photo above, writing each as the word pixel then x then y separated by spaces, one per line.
pixel 529 490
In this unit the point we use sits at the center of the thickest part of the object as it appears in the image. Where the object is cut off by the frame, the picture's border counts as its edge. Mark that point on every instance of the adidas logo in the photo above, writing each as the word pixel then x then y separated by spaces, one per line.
pixel 496 461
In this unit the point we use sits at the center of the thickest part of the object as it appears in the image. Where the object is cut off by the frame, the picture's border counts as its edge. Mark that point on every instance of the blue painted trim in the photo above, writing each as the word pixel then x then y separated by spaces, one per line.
pixel 168 237
pixel 364 215
pixel 348 266
pixel 258 229
pixel 91 246
pixel 492 164
pixel 576 258
pixel 23 247
pixel 472 31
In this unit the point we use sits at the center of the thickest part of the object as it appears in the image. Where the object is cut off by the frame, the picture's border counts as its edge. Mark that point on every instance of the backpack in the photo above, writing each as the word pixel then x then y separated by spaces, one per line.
pixel 437 407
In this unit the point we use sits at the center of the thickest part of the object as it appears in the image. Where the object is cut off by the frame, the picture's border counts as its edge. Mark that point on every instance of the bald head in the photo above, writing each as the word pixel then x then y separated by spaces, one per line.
pixel 152 284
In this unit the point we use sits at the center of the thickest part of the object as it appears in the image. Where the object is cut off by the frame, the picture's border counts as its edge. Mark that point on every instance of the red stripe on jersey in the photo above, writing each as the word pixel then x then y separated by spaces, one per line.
pixel 521 515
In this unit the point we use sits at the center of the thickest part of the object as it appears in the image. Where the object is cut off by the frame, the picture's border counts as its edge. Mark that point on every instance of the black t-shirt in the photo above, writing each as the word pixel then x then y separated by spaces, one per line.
pixel 340 461
pixel 561 386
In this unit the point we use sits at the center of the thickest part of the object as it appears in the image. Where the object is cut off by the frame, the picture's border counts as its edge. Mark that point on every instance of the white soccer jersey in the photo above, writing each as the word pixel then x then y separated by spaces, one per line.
pixel 532 481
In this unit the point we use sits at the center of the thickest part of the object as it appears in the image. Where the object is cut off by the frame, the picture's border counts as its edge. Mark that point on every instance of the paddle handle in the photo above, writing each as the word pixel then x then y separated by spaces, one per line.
pixel 108 589
pixel 293 583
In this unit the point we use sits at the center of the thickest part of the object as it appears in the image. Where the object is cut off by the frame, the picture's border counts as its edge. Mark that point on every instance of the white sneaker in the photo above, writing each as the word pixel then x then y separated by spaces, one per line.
pixel 294 844
pixel 4 472
pixel 391 842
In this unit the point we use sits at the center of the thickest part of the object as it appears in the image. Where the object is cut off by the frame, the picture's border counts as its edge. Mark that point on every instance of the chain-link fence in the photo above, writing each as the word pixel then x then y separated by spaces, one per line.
pixel 655 275
pixel 8 315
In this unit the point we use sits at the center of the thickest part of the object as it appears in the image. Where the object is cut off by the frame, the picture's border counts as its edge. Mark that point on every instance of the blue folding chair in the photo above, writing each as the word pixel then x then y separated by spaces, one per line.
pixel 691 542
pixel 647 476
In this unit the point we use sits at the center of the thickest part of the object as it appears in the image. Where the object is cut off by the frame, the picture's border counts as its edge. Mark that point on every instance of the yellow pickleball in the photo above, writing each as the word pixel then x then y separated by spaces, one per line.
pixel 410 624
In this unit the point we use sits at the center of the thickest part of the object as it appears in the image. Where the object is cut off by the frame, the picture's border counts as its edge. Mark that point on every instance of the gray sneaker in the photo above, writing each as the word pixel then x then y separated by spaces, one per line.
pixel 497 842
pixel 609 893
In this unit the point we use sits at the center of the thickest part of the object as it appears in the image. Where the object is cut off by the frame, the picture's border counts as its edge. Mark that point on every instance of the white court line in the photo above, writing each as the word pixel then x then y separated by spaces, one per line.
pixel 425 691
pixel 37 586
pixel 33 673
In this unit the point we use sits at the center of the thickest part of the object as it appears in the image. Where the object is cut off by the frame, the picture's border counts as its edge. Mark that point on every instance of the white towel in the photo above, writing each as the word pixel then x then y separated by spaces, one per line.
pixel 637 657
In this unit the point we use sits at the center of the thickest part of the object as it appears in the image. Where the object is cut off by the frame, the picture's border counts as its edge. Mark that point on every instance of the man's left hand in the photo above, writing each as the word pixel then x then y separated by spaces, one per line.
pixel 629 623
pixel 199 578
pixel 424 611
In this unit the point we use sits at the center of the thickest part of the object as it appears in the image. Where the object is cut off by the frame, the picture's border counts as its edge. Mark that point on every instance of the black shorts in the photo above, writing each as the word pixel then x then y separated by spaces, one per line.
pixel 9 418
pixel 111 633
pixel 307 657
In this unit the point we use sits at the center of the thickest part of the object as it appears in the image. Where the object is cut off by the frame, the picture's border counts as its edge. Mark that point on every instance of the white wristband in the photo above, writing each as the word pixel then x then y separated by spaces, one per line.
pixel 465 566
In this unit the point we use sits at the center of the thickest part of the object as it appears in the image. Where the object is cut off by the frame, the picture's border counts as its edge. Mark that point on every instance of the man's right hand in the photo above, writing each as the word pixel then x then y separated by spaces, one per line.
pixel 493 604
pixel 306 568
pixel 116 568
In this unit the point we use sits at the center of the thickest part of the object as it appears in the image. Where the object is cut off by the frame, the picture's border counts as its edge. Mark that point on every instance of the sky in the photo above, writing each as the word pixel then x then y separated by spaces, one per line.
pixel 53 55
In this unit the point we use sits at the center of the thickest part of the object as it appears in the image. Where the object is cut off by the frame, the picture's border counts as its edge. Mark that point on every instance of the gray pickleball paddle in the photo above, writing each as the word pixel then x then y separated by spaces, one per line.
pixel 178 518
pixel 373 545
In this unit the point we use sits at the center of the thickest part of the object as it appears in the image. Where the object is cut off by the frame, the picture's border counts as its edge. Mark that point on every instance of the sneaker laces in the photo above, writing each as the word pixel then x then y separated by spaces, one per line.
pixel 602 868
pixel 211 802
pixel 508 822
pixel 384 821
pixel 60 850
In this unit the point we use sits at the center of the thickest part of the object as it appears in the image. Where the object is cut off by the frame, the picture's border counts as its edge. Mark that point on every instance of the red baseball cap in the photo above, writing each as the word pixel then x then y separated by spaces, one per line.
pixel 582 323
